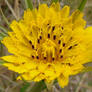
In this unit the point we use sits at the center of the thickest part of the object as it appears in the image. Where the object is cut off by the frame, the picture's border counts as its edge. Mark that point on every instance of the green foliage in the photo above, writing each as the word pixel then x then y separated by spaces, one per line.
pixel 29 4
pixel 25 86
pixel 87 69
pixel 82 5
pixel 55 1
pixel 38 87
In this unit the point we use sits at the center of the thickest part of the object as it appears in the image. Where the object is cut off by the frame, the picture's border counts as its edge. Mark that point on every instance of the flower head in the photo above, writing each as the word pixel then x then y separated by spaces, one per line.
pixel 48 44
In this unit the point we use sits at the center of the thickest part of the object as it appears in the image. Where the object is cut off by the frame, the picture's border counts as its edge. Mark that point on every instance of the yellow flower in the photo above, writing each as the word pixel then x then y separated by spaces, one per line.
pixel 48 44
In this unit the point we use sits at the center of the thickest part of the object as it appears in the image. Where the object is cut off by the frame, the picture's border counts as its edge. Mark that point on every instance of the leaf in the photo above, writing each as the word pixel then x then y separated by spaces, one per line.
pixel 82 5
pixel 1 62
pixel 38 87
pixel 24 88
pixel 87 69
pixel 29 4
pixel 1 37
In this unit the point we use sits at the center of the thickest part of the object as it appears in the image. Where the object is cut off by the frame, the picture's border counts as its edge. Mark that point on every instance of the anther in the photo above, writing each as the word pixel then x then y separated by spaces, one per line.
pixel 38 41
pixel 30 42
pixel 37 57
pixel 40 37
pixel 62 28
pixel 32 46
pixel 54 37
pixel 53 28
pixel 60 50
pixel 59 41
pixel 75 44
pixel 32 56
pixel 61 56
pixel 23 63
pixel 44 57
pixel 53 59
pixel 48 35
pixel 70 47
pixel 63 44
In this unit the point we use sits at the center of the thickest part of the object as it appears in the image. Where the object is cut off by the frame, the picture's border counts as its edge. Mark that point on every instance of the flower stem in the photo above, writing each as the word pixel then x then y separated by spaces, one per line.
pixel 82 5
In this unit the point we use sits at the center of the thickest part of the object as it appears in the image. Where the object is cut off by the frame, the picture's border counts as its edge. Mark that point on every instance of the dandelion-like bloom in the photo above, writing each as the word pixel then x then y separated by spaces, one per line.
pixel 48 44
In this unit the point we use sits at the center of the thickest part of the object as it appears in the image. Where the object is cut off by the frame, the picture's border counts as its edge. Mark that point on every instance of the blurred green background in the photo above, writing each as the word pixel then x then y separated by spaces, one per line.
pixel 13 9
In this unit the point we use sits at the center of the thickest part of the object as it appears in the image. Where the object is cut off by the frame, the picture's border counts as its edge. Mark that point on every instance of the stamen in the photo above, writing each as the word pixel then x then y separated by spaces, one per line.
pixel 61 56
pixel 32 56
pixel 70 47
pixel 30 42
pixel 59 41
pixel 40 37
pixel 38 41
pixel 53 28
pixel 23 63
pixel 37 57
pixel 63 44
pixel 53 59
pixel 62 28
pixel 75 44
pixel 60 50
pixel 48 35
pixel 54 37
pixel 44 57
pixel 32 46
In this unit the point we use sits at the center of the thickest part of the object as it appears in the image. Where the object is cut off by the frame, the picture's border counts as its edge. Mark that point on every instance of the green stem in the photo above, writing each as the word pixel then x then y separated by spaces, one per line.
pixel 82 5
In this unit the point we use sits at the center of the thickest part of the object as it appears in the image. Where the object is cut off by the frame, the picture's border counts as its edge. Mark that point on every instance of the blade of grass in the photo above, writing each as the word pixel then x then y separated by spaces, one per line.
pixel 5 19
pixel 29 4
pixel 82 5
pixel 11 9
pixel 3 29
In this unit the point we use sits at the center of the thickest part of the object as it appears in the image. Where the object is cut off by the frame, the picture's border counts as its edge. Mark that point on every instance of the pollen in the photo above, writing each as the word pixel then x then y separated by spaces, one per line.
pixel 48 43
